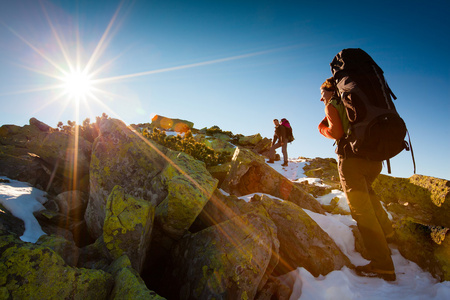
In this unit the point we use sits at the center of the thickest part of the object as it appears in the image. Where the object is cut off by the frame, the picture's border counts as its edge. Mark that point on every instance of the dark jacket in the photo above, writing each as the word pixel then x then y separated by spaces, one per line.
pixel 280 134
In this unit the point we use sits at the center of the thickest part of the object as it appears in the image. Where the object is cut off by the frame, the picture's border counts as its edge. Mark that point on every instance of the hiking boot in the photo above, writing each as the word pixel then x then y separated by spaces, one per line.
pixel 270 161
pixel 370 271
pixel 285 164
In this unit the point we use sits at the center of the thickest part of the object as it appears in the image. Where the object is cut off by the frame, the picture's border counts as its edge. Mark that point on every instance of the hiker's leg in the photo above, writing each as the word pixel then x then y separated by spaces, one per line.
pixel 352 172
pixel 380 212
pixel 284 151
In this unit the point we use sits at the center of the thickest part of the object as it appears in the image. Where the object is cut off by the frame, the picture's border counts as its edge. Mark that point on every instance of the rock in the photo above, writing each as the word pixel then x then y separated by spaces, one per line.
pixel 231 260
pixel 189 187
pixel 122 157
pixel 128 283
pixel 263 146
pixel 252 140
pixel 27 269
pixel 40 125
pixel 72 203
pixel 220 208
pixel 52 155
pixel 128 227
pixel 325 169
pixel 315 250
pixel 415 243
pixel 10 223
pixel 171 124
pixel 422 199
pixel 220 172
pixel 68 251
pixel 219 142
pixel 250 174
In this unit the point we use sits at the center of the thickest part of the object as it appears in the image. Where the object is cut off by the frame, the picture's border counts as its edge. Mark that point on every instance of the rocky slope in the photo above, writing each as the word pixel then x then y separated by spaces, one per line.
pixel 127 217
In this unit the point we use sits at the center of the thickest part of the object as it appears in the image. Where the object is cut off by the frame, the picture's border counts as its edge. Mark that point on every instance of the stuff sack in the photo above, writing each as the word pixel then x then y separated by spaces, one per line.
pixel 377 130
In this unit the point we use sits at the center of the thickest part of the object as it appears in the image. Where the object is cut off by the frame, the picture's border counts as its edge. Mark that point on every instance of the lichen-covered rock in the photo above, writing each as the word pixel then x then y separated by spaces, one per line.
pixel 67 250
pixel 189 187
pixel 128 226
pixel 315 250
pixel 415 243
pixel 128 283
pixel 122 157
pixel 171 124
pixel 250 174
pixel 250 140
pixel 53 154
pixel 227 261
pixel 325 169
pixel 420 199
pixel 30 271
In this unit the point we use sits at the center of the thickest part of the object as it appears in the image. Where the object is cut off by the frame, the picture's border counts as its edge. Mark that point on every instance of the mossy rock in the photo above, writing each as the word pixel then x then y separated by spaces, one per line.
pixel 128 283
pixel 28 270
pixel 420 199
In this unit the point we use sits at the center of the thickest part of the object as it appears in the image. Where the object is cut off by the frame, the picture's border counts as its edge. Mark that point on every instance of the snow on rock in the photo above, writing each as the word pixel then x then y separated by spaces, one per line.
pixel 22 200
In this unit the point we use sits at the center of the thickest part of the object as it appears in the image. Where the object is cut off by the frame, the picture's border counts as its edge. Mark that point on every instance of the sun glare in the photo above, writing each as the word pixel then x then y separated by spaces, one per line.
pixel 77 84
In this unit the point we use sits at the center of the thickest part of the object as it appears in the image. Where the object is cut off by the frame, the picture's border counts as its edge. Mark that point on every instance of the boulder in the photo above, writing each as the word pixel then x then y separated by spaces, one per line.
pixel 72 203
pixel 250 174
pixel 171 124
pixel 40 125
pixel 189 187
pixel 54 154
pixel 231 260
pixel 122 157
pixel 128 283
pixel 315 250
pixel 27 269
pixel 415 243
pixel 421 199
pixel 128 226
pixel 251 140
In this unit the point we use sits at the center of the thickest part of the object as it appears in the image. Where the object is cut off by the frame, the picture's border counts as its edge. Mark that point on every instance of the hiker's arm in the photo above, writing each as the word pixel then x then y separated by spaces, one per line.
pixel 331 125
pixel 275 139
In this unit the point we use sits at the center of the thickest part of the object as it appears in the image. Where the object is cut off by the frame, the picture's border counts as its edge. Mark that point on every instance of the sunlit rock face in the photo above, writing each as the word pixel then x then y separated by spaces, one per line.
pixel 420 206
pixel 121 157
pixel 250 174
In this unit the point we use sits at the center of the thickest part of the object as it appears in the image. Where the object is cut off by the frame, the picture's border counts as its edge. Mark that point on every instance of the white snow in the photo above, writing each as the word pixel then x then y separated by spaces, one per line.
pixel 412 282
pixel 22 200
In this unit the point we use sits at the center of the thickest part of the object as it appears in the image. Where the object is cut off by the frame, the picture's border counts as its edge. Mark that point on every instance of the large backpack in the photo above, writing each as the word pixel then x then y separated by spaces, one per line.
pixel 289 134
pixel 377 130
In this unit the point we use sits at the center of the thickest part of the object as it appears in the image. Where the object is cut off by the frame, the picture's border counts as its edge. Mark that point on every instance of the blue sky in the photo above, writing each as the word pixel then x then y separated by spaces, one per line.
pixel 234 64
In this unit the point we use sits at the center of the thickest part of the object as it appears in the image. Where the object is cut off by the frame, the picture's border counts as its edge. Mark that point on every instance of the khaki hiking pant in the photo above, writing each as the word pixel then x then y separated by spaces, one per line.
pixel 357 175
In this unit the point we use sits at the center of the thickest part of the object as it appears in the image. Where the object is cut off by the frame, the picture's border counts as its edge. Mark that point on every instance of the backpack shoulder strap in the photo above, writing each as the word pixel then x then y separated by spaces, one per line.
pixel 337 103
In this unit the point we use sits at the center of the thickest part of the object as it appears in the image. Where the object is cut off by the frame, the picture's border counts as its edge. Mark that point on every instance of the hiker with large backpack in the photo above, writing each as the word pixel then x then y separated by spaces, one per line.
pixel 282 136
pixel 362 119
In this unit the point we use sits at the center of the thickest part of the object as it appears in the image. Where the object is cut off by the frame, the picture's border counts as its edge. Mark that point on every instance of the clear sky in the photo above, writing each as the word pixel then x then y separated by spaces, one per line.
pixel 234 64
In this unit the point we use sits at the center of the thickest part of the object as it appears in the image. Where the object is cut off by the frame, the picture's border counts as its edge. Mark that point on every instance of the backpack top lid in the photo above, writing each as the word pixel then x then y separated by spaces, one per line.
pixel 353 60
pixel 285 123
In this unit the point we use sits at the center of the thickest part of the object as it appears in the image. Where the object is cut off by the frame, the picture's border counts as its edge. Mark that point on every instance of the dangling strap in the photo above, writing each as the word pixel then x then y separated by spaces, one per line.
pixel 412 152
pixel 388 164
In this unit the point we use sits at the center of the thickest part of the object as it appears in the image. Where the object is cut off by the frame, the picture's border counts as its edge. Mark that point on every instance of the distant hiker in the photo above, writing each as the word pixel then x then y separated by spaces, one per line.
pixel 279 140
pixel 357 174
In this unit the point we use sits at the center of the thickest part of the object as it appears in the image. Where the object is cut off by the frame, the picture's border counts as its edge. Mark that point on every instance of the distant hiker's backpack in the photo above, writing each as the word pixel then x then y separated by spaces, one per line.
pixel 287 125
pixel 377 130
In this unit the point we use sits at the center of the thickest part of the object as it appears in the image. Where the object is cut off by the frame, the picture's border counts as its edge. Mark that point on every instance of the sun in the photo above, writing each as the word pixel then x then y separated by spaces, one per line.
pixel 77 84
